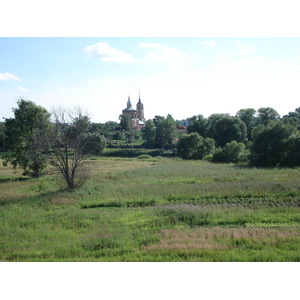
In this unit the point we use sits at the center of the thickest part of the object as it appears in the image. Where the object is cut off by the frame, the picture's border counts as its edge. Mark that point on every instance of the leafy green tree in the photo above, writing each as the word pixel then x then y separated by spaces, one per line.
pixel 198 124
pixel 93 143
pixel 207 147
pixel 211 124
pixel 118 135
pixel 270 145
pixel 267 114
pixel 293 151
pixel 165 132
pixel 194 146
pixel 248 117
pixel 224 129
pixel 26 137
pixel 130 136
pixel 107 129
pixel 293 118
pixel 188 145
pixel 234 152
pixel 149 133
pixel 2 135
pixel 125 122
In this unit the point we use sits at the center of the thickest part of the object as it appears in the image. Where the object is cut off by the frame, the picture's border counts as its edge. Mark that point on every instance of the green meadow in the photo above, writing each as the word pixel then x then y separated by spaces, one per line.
pixel 152 209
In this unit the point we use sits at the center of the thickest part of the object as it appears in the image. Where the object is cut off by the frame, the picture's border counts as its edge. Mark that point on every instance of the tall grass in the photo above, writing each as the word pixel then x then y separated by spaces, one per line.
pixel 141 210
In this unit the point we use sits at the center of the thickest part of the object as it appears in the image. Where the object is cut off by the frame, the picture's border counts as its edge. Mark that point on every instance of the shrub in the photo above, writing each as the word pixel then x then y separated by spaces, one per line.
pixel 93 143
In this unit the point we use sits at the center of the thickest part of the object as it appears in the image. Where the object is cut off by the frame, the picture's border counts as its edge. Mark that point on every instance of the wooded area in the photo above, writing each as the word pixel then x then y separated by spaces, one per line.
pixel 62 138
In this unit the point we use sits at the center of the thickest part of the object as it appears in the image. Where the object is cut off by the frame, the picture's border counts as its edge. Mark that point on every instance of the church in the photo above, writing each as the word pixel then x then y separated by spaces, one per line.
pixel 137 115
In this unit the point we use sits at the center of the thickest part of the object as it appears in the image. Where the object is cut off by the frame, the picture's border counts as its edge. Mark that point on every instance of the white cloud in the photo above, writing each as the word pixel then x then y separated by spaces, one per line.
pixel 244 49
pixel 210 43
pixel 164 53
pixel 8 76
pixel 61 89
pixel 106 53
pixel 22 89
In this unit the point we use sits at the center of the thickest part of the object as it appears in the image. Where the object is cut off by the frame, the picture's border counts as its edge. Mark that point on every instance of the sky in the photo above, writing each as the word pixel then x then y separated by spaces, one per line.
pixel 179 76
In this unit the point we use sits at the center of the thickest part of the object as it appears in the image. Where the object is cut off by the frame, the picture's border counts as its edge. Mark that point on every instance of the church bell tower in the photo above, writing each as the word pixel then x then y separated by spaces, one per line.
pixel 140 110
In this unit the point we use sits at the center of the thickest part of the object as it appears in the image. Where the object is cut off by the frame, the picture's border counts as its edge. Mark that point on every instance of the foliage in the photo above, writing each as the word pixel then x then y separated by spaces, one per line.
pixel 26 136
pixel 293 118
pixel 165 131
pixel 118 135
pixel 267 114
pixel 93 143
pixel 194 146
pixel 232 152
pixel 132 135
pixel 227 129
pixel 107 129
pixel 248 117
pixel 125 122
pixel 2 135
pixel 149 133
pixel 272 145
pixel 198 124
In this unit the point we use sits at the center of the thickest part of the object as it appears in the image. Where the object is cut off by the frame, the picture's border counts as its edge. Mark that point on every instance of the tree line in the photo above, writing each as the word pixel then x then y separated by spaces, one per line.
pixel 260 138
pixel 35 138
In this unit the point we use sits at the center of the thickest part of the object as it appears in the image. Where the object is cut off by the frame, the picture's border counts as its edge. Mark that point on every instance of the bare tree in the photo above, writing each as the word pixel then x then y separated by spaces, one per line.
pixel 66 155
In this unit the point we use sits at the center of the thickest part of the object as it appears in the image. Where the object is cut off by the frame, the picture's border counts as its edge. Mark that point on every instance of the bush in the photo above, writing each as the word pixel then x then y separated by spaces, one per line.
pixel 194 146
pixel 232 152
pixel 93 143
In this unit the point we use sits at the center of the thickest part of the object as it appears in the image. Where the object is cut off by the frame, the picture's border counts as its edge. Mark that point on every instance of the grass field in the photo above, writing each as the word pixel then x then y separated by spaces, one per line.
pixel 158 209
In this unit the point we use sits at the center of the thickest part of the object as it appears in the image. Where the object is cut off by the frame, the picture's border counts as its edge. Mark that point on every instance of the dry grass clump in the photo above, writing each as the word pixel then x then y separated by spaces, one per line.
pixel 179 239
pixel 217 238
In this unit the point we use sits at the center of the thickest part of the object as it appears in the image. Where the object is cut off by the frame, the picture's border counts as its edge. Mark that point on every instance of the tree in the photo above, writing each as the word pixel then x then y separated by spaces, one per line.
pixel 293 118
pixel 149 133
pixel 2 135
pixel 234 152
pixel 26 137
pixel 125 122
pixel 93 143
pixel 224 129
pixel 207 147
pixel 188 146
pixel 293 151
pixel 270 145
pixel 165 132
pixel 267 114
pixel 198 124
pixel 67 145
pixel 194 146
pixel 247 116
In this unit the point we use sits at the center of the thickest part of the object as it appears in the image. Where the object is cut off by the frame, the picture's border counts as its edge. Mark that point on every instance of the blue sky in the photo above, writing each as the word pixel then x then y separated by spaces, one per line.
pixel 180 76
